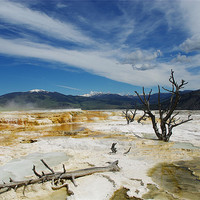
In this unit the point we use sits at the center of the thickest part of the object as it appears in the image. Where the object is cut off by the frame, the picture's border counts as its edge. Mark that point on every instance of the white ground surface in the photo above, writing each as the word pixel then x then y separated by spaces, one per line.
pixel 85 152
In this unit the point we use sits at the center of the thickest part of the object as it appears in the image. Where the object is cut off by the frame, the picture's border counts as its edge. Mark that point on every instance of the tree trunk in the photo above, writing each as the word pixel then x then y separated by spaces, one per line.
pixel 155 127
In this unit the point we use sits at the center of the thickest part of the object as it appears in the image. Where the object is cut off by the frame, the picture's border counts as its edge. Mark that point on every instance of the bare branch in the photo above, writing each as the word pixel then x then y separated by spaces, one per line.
pixel 149 95
pixel 64 170
pixel 143 117
pixel 37 174
pixel 172 118
pixel 170 91
pixel 146 100
pixel 45 164
pixel 159 103
pixel 133 115
pixel 11 180
pixel 140 97
pixel 127 151
pixel 182 122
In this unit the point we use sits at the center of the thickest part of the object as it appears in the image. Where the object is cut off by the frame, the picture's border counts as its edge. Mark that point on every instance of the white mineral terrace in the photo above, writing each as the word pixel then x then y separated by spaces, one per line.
pixel 92 148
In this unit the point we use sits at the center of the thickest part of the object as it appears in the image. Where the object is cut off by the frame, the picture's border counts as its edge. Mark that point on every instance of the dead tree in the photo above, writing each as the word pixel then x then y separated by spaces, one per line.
pixel 57 178
pixel 129 115
pixel 166 115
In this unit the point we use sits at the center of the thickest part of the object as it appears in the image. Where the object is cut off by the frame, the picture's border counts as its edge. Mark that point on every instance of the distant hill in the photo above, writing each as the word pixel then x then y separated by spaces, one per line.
pixel 41 99
pixel 36 99
pixel 190 101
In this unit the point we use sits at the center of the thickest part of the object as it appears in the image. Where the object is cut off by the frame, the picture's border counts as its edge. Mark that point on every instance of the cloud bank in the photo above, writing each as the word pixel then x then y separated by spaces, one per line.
pixel 126 49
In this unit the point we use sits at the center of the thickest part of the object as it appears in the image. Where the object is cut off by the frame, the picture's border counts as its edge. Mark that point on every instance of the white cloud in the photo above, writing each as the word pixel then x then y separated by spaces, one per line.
pixel 191 44
pixel 15 13
pixel 143 59
pixel 181 59
pixel 191 15
pixel 99 64
pixel 141 67
pixel 93 62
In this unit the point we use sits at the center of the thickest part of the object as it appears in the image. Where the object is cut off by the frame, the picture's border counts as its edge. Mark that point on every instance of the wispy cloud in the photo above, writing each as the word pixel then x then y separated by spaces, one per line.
pixel 191 16
pixel 18 14
pixel 96 63
pixel 61 5
pixel 67 87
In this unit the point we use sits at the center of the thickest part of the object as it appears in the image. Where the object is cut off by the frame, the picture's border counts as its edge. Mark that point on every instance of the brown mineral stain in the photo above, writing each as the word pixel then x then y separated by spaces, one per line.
pixel 181 179
pixel 121 194
pixel 158 194
pixel 23 127
pixel 53 195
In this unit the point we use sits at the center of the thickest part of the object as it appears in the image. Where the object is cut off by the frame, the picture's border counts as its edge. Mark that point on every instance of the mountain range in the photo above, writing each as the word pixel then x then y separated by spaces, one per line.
pixel 41 99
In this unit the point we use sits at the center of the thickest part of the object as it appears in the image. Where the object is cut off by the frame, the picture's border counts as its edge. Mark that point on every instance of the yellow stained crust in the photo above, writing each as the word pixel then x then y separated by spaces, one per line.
pixel 23 127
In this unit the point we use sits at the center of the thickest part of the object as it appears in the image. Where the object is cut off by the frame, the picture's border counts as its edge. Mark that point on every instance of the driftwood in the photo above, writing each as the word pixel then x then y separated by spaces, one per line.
pixel 57 178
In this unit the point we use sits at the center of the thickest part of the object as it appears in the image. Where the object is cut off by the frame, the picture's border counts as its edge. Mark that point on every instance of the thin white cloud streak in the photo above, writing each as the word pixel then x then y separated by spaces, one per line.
pixel 60 5
pixel 172 15
pixel 145 27
pixel 122 26
pixel 67 87
pixel 18 14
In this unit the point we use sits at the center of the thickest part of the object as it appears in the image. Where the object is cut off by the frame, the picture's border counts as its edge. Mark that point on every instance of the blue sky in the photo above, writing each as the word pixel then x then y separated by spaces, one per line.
pixel 78 46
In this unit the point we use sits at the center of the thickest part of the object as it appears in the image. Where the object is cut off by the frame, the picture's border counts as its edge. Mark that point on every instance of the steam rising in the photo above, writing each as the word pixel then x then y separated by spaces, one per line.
pixel 13 105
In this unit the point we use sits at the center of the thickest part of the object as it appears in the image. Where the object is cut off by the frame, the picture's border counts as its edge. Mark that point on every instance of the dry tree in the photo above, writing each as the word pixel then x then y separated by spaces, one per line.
pixel 129 115
pixel 167 118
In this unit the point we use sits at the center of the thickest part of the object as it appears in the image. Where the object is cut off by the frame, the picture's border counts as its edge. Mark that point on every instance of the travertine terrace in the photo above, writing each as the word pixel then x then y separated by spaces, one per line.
pixel 81 139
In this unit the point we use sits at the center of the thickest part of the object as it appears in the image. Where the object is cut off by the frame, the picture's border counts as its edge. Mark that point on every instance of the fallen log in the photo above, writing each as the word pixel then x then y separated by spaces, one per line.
pixel 57 177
